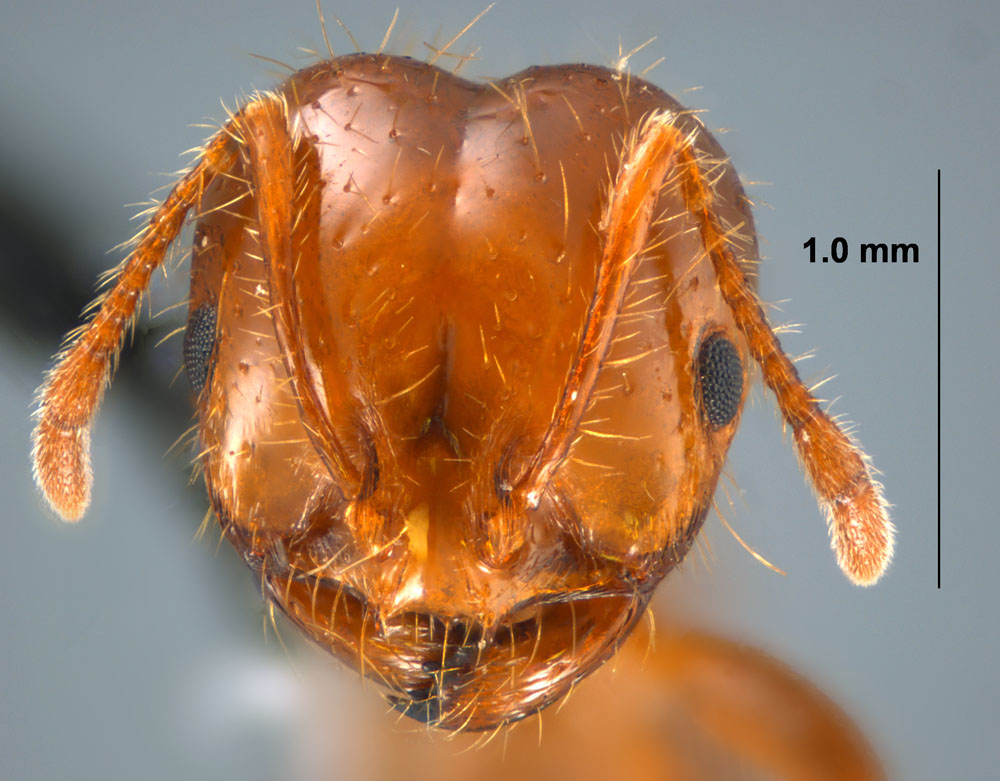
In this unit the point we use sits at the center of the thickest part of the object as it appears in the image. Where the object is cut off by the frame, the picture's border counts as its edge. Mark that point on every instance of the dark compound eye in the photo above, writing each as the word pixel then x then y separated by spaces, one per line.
pixel 720 374
pixel 199 341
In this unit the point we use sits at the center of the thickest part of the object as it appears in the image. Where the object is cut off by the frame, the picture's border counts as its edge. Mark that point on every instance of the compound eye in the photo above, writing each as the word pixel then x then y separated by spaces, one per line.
pixel 199 342
pixel 720 378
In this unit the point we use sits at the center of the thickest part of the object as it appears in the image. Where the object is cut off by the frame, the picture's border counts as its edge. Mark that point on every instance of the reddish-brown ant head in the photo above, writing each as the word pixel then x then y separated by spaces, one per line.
pixel 468 360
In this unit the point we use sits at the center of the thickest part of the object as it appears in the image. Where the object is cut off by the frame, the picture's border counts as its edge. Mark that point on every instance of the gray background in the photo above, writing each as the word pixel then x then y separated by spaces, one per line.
pixel 130 651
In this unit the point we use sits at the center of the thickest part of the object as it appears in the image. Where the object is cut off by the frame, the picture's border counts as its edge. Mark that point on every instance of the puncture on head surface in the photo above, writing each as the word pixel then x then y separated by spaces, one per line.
pixel 468 360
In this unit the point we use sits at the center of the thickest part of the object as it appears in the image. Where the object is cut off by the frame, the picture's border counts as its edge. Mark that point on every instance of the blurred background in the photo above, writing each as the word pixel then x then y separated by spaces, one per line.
pixel 131 650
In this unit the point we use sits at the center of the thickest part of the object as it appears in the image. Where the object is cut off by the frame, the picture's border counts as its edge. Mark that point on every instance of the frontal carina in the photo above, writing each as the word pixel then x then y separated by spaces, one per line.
pixel 468 359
